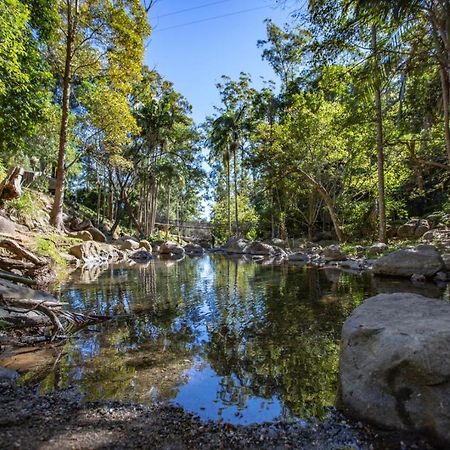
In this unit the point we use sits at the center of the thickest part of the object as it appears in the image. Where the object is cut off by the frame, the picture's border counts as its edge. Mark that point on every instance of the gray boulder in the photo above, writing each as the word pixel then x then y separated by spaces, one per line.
pixel 395 364
pixel 93 252
pixel 298 256
pixel 236 246
pixel 334 253
pixel 377 249
pixel 423 260
pixel 414 228
pixel 259 248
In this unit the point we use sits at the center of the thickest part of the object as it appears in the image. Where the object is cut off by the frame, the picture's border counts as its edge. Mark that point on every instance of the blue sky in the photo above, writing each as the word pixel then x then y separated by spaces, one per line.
pixel 195 56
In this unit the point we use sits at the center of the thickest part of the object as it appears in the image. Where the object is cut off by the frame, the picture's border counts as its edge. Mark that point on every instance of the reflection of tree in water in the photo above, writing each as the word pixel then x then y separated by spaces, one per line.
pixel 145 352
pixel 283 340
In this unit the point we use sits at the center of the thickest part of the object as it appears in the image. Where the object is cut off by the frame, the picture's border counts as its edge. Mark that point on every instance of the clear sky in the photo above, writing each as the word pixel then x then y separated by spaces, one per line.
pixel 194 56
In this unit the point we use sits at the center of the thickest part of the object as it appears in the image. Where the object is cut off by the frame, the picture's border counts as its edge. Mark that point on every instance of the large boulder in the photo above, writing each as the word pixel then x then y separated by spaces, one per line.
pixel 236 246
pixel 423 260
pixel 194 249
pixel 94 252
pixel 334 253
pixel 395 364
pixel 128 244
pixel 259 248
pixel 171 248
pixel 96 234
pixel 413 229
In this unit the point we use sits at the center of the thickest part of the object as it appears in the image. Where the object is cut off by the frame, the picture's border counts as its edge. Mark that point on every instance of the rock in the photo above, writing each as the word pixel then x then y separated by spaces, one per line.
pixel 145 245
pixel 446 258
pixel 8 376
pixel 7 226
pixel 83 235
pixel 171 248
pixel 97 235
pixel 128 244
pixel 279 252
pixel 94 252
pixel 377 249
pixel 428 236
pixel 418 278
pixel 236 246
pixel 78 224
pixel 298 256
pixel 334 253
pixel 395 364
pixel 353 264
pixel 141 255
pixel 194 249
pixel 259 248
pixel 441 276
pixel 422 227
pixel 423 260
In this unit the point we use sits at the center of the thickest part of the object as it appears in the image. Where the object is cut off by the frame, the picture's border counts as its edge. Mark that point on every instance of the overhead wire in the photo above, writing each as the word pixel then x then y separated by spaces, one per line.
pixel 191 9
pixel 243 11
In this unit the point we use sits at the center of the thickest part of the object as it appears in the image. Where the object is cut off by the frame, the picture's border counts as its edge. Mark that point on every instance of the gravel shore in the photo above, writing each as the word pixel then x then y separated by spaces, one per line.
pixel 61 421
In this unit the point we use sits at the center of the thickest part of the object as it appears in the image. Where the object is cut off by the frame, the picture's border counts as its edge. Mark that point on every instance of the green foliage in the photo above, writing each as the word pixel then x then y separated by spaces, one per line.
pixel 248 218
pixel 46 246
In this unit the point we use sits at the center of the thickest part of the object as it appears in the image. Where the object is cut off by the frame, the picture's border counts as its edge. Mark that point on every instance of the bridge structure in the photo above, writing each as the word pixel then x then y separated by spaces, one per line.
pixel 197 230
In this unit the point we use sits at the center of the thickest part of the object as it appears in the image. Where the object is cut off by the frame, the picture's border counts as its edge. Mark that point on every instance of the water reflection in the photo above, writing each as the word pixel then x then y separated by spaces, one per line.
pixel 224 337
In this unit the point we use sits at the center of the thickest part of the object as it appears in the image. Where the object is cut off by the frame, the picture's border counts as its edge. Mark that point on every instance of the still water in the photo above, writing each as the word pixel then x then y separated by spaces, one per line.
pixel 224 338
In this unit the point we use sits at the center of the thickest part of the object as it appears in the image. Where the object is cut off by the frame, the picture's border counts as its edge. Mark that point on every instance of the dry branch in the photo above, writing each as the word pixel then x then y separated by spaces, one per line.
pixel 21 252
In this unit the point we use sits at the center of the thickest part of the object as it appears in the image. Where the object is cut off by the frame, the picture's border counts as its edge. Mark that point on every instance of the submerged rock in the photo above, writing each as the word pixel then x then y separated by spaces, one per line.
pixel 423 260
pixel 395 364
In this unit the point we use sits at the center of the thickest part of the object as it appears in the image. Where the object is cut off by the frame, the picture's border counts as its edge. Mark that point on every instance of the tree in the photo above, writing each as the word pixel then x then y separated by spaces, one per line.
pixel 97 36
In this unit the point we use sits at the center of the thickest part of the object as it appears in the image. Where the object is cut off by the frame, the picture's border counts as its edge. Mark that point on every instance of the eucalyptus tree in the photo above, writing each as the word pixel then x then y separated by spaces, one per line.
pixel 95 37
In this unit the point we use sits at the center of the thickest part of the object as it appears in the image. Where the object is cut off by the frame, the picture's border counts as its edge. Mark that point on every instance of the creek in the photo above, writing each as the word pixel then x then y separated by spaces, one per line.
pixel 225 338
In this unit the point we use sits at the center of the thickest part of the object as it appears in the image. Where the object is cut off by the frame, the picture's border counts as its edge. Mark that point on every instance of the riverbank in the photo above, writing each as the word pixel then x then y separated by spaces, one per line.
pixel 62 421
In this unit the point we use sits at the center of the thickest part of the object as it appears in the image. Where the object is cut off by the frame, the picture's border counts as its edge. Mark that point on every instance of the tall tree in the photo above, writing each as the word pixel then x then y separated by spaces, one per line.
pixel 96 37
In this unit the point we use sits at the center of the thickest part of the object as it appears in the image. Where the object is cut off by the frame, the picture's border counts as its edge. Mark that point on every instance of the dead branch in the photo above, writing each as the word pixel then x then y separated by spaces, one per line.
pixel 21 252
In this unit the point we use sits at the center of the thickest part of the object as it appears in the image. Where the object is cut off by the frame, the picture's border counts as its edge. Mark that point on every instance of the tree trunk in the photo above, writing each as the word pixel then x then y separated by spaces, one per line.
pixel 236 211
pixel 328 202
pixel 56 218
pixel 380 150
pixel 445 84
pixel 229 199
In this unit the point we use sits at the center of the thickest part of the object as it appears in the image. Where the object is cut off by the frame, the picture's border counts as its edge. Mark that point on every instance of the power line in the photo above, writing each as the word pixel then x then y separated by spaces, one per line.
pixel 211 18
pixel 191 9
